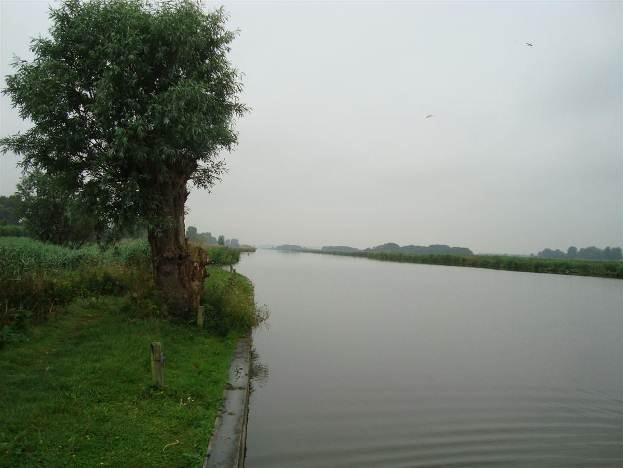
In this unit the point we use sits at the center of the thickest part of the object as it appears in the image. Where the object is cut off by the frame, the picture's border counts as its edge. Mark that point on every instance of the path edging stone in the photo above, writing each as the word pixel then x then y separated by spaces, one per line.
pixel 228 442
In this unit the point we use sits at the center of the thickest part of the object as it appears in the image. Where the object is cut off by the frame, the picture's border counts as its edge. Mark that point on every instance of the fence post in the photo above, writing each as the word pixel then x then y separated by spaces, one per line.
pixel 157 364
pixel 200 316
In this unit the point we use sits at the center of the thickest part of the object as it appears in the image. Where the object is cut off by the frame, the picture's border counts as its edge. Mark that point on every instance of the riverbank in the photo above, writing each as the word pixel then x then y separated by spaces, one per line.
pixel 498 262
pixel 75 385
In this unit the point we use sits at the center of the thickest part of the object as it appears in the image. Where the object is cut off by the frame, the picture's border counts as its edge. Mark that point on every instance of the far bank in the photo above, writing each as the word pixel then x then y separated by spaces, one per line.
pixel 601 269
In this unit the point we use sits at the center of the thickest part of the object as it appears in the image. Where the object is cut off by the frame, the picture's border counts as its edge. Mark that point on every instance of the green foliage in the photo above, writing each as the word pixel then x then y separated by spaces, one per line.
pixel 96 351
pixel 586 253
pixel 221 240
pixel 19 256
pixel 191 232
pixel 78 393
pixel 9 210
pixel 435 249
pixel 37 279
pixel 51 213
pixel 229 302
pixel 223 255
pixel 129 100
pixel 205 238
pixel 12 230
pixel 500 262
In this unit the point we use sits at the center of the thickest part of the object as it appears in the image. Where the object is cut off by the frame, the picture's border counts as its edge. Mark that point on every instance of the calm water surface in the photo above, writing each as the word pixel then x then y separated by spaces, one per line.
pixel 367 363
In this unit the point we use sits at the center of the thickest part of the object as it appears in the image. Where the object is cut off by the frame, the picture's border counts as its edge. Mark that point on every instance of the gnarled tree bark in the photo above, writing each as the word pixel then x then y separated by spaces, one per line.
pixel 179 268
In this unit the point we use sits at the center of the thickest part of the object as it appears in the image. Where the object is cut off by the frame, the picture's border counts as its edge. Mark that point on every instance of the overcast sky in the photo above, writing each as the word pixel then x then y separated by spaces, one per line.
pixel 525 149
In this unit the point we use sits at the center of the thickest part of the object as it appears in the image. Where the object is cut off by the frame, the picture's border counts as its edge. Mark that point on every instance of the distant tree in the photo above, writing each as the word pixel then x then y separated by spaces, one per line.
pixel 590 253
pixel 191 232
pixel 616 253
pixel 221 240
pixel 549 253
pixel 130 101
pixel 9 209
pixel 612 253
pixel 339 248
pixel 387 247
pixel 53 214
pixel 586 253
pixel 434 249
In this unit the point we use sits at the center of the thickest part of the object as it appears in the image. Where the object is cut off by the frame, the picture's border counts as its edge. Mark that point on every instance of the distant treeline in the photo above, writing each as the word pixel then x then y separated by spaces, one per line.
pixel 460 256
pixel 586 253
pixel 391 247
pixel 605 269
pixel 207 238
pixel 291 248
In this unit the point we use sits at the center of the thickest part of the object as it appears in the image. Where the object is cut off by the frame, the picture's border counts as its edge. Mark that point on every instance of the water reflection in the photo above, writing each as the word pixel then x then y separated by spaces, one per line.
pixel 384 364
pixel 259 371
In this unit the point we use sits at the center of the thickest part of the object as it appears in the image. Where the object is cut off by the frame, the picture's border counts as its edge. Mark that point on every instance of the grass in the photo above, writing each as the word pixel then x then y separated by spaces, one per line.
pixel 75 378
pixel 229 299
pixel 605 269
pixel 78 392
pixel 37 280
pixel 220 255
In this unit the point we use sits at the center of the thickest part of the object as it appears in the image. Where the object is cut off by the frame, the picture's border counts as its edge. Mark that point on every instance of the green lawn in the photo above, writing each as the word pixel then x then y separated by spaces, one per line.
pixel 78 393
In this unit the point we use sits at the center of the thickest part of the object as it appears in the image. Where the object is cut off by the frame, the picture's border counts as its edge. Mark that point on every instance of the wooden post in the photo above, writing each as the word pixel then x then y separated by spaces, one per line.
pixel 200 316
pixel 157 364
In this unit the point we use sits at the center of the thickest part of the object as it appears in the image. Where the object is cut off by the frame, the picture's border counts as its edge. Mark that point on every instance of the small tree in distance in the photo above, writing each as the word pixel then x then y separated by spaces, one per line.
pixel 52 214
pixel 130 103
pixel 191 232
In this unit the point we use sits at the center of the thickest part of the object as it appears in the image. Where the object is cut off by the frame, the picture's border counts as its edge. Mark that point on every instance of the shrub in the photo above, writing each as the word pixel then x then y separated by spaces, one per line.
pixel 223 255
pixel 229 301
pixel 37 279
pixel 12 230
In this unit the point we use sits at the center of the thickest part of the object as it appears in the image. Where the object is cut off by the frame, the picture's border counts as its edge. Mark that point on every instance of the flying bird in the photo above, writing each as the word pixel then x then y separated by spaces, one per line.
pixel 529 44
pixel 428 116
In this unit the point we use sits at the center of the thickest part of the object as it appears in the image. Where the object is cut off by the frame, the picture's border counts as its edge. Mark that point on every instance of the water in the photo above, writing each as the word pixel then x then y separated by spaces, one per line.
pixel 368 363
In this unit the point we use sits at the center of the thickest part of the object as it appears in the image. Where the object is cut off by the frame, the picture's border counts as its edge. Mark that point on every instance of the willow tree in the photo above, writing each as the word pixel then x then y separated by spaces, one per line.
pixel 131 103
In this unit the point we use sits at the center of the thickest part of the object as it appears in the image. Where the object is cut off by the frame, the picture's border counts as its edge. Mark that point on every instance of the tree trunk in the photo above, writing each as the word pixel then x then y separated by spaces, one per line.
pixel 179 268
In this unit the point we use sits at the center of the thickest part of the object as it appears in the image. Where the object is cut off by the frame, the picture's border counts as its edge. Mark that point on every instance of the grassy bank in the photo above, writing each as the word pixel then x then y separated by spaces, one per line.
pixel 229 301
pixel 78 393
pixel 76 383
pixel 38 280
pixel 501 262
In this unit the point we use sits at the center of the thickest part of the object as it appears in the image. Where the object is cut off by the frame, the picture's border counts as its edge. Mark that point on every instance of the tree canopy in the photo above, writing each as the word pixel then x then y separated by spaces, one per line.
pixel 9 209
pixel 129 102
pixel 586 253
pixel 125 98
pixel 50 213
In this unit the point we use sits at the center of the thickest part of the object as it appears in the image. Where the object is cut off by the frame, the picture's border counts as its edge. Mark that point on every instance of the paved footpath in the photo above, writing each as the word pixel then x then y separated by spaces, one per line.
pixel 228 444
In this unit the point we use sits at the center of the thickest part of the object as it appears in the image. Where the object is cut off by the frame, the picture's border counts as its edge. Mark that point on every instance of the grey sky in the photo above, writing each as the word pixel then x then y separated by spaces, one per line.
pixel 525 149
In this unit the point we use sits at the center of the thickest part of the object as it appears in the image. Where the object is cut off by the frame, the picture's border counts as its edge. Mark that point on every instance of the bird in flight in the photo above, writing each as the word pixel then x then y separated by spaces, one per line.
pixel 428 116
pixel 529 44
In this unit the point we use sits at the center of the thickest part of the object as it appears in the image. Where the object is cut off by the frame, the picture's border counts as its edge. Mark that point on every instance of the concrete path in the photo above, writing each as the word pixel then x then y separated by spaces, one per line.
pixel 228 444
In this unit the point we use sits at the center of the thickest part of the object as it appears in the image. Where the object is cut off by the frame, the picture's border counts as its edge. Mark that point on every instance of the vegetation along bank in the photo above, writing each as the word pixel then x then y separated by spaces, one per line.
pixel 76 325
pixel 567 264
pixel 605 269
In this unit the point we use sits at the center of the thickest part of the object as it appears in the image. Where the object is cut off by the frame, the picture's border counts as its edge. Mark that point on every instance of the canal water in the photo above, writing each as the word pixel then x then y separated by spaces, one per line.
pixel 367 363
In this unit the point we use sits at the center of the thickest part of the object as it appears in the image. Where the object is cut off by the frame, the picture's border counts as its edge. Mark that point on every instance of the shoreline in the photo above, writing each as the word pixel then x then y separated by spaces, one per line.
pixel 587 268
pixel 227 446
